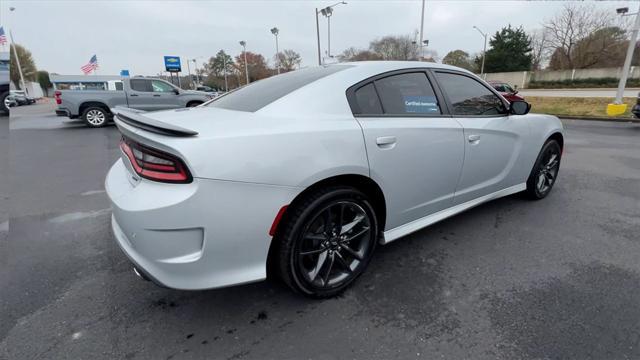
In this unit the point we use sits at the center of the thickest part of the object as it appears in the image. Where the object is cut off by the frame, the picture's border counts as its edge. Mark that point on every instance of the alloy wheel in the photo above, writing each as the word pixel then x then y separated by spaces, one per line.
pixel 548 170
pixel 96 117
pixel 334 245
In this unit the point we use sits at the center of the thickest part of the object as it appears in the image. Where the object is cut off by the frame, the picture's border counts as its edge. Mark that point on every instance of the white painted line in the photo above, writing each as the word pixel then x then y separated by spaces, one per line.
pixel 79 215
pixel 93 192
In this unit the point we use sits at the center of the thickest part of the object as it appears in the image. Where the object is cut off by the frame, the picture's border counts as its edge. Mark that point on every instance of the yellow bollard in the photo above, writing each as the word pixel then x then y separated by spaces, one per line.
pixel 616 109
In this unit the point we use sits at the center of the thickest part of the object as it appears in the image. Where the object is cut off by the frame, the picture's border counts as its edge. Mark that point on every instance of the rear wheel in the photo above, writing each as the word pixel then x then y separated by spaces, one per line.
pixel 95 116
pixel 545 171
pixel 327 241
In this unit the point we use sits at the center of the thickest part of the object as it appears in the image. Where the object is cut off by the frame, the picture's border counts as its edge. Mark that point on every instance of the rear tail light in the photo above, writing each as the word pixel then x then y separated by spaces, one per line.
pixel 154 164
pixel 57 96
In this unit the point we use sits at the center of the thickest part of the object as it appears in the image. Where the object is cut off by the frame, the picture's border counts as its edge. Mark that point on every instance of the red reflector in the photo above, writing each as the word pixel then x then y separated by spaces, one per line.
pixel 276 221
pixel 154 164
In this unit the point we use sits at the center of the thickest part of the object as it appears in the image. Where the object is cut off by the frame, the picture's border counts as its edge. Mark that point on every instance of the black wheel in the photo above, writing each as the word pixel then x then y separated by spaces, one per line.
pixel 545 171
pixel 95 116
pixel 327 241
pixel 4 102
pixel 194 104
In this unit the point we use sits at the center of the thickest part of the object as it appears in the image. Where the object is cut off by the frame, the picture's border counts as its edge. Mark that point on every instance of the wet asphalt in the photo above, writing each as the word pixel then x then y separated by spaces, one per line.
pixel 511 279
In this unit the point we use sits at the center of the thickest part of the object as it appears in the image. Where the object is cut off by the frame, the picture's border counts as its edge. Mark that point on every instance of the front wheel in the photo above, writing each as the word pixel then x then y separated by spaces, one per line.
pixel 327 241
pixel 95 117
pixel 5 102
pixel 545 171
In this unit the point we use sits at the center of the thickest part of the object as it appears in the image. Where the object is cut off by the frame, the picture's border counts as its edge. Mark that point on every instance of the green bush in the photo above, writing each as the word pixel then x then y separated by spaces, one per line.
pixel 608 82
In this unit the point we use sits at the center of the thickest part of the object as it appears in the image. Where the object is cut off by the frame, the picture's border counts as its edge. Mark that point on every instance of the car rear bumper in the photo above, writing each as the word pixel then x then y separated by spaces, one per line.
pixel 63 112
pixel 202 235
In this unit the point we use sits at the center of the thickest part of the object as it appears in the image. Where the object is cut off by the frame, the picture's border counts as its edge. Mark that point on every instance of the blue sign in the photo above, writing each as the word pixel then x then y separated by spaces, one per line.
pixel 172 64
pixel 124 73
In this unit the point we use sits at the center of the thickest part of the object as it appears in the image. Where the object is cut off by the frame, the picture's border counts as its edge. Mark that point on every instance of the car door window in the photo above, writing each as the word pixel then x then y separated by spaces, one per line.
pixel 367 100
pixel 499 87
pixel 409 93
pixel 161 86
pixel 468 96
pixel 141 85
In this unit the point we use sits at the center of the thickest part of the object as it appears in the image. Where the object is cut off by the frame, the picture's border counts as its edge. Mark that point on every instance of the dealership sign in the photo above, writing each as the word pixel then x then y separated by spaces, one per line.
pixel 172 64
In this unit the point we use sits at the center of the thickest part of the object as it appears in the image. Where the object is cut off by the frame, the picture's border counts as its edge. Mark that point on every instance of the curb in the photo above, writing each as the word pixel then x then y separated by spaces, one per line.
pixel 599 118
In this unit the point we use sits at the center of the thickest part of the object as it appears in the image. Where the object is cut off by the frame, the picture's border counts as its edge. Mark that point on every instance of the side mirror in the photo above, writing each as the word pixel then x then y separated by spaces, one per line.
pixel 519 108
pixel 515 91
pixel 176 91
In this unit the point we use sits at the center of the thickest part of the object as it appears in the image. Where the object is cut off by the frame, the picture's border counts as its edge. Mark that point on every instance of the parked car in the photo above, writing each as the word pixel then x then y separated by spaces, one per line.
pixel 94 106
pixel 20 97
pixel 506 91
pixel 4 83
pixel 304 174
pixel 208 89
pixel 635 110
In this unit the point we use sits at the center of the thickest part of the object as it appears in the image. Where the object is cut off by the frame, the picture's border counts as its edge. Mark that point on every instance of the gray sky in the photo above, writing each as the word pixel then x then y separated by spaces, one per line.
pixel 134 35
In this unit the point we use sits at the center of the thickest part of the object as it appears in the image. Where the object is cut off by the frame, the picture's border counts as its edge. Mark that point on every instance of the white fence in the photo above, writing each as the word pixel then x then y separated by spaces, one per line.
pixel 522 78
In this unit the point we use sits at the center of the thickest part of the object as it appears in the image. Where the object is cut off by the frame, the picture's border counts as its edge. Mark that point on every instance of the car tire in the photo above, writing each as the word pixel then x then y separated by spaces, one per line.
pixel 3 104
pixel 95 116
pixel 317 260
pixel 545 171
pixel 194 104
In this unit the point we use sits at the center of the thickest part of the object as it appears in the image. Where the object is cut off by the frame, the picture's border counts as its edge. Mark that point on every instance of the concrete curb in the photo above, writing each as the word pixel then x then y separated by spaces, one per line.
pixel 599 118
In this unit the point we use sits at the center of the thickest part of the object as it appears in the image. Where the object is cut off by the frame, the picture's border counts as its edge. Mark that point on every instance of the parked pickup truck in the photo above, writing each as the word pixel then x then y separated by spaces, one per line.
pixel 147 94
pixel 5 100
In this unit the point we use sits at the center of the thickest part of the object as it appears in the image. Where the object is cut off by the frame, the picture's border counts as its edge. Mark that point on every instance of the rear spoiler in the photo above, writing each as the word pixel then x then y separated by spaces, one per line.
pixel 137 119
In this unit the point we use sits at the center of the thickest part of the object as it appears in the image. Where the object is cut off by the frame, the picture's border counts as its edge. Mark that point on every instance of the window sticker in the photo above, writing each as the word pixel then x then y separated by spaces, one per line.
pixel 421 104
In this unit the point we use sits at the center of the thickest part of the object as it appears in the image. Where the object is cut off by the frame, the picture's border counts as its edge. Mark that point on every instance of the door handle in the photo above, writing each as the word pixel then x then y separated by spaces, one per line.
pixel 386 142
pixel 133 95
pixel 156 95
pixel 474 139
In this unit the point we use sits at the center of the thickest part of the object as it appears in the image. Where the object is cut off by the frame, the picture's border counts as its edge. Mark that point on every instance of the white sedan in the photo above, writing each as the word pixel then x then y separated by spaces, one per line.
pixel 303 174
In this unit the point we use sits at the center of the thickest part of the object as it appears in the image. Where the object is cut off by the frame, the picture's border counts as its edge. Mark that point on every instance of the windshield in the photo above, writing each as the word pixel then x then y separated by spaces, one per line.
pixel 261 93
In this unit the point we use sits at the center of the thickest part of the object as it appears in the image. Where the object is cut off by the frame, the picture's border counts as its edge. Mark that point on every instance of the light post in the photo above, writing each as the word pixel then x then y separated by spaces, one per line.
pixel 484 50
pixel 328 11
pixel 246 67
pixel 618 107
pixel 190 78
pixel 224 64
pixel 195 70
pixel 15 54
pixel 422 31
pixel 275 32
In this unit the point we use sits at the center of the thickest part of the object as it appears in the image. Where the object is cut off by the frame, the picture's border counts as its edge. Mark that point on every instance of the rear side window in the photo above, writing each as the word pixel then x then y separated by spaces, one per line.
pixel 257 95
pixel 468 96
pixel 409 93
pixel 161 86
pixel 367 100
pixel 141 85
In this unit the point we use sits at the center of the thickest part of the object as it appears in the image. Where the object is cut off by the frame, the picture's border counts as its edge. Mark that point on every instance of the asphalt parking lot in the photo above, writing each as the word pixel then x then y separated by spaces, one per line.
pixel 511 279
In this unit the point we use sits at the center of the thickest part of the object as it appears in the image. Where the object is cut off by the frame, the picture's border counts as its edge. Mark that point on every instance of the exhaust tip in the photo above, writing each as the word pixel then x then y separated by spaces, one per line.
pixel 140 274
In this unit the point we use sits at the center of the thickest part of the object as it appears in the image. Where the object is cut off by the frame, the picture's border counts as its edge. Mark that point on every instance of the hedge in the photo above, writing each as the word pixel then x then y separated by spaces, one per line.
pixel 608 82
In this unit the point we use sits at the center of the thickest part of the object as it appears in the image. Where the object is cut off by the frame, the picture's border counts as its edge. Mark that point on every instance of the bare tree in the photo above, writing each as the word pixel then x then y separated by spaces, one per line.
pixel 395 47
pixel 540 48
pixel 355 54
pixel 574 23
pixel 288 59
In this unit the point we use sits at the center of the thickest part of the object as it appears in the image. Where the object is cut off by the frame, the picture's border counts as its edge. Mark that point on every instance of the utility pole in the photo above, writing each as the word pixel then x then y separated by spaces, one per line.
pixel 224 62
pixel 484 51
pixel 627 60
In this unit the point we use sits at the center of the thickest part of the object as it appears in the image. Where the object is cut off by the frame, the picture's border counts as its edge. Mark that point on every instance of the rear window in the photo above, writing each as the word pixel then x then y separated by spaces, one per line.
pixel 261 93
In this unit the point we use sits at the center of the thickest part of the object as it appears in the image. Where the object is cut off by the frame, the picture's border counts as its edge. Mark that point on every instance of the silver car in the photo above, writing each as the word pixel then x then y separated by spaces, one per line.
pixel 304 174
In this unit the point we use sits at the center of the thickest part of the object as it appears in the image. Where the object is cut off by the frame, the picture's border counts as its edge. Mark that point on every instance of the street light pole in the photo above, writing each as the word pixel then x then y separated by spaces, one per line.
pixel 190 78
pixel 246 67
pixel 422 31
pixel 318 36
pixel 627 60
pixel 15 54
pixel 484 50
pixel 224 62
pixel 275 32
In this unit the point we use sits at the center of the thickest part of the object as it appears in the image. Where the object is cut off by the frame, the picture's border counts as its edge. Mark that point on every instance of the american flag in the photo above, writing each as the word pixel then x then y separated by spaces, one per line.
pixel 3 37
pixel 91 66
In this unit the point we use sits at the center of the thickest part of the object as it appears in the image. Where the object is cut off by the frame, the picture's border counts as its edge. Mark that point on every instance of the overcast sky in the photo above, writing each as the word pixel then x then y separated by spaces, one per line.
pixel 134 35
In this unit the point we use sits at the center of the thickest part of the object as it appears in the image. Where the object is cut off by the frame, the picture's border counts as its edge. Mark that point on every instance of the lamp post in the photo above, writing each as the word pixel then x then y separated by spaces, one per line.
pixel 244 51
pixel 15 54
pixel 484 50
pixel 224 64
pixel 275 32
pixel 328 11
pixel 195 70
pixel 422 31
pixel 627 60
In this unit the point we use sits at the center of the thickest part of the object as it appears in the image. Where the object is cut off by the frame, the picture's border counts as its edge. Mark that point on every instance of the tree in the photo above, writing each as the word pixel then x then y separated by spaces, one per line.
pixel 216 64
pixel 459 58
pixel 606 47
pixel 42 77
pixel 26 62
pixel 539 48
pixel 288 60
pixel 567 29
pixel 256 63
pixel 354 54
pixel 391 47
pixel 510 51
